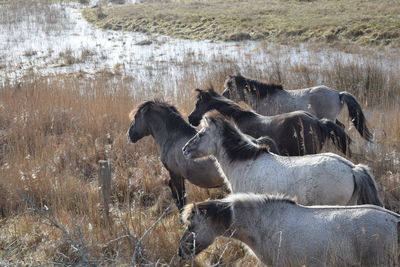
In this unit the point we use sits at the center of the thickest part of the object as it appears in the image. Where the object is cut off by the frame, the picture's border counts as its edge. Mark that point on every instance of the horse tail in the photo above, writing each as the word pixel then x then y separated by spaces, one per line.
pixel 356 114
pixel 339 138
pixel 365 188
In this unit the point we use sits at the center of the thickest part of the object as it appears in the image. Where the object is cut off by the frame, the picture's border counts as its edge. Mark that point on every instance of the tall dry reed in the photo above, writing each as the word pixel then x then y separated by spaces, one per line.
pixel 54 130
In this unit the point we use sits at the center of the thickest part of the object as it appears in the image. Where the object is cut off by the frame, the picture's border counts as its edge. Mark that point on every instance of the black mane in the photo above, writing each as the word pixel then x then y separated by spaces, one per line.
pixel 249 200
pixel 174 120
pixel 224 105
pixel 235 144
pixel 219 211
pixel 262 89
pixel 268 199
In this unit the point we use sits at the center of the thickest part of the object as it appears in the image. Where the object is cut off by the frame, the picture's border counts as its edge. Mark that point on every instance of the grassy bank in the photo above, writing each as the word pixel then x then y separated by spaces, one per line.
pixel 355 22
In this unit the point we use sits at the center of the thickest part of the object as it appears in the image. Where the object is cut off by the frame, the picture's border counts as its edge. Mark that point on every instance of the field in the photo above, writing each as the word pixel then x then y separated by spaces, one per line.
pixel 54 128
pixel 355 22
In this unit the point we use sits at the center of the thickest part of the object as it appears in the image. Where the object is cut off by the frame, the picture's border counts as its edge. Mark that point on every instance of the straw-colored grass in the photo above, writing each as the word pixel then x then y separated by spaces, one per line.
pixel 54 130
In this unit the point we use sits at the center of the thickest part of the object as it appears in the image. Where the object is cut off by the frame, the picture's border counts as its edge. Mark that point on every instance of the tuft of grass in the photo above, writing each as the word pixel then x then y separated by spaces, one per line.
pixel 68 57
pixel 352 22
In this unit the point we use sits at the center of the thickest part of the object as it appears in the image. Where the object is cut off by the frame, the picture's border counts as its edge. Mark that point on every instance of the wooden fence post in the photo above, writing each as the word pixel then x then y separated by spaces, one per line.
pixel 105 184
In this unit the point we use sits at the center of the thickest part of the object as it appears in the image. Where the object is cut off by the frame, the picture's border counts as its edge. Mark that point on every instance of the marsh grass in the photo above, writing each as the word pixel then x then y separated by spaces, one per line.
pixel 69 57
pixel 55 129
pixel 360 22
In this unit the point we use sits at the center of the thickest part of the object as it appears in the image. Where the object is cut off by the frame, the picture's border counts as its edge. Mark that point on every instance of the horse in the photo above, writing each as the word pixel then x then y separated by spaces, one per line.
pixel 296 133
pixel 281 232
pixel 271 99
pixel 165 124
pixel 319 179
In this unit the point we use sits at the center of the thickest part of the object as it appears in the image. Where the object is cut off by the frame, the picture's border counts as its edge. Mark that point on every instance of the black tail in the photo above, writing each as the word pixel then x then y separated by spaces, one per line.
pixel 356 114
pixel 365 186
pixel 339 138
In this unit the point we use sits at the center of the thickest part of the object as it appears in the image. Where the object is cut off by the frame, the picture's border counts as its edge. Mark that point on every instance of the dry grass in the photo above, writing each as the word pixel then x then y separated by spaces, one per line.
pixel 53 131
pixel 362 22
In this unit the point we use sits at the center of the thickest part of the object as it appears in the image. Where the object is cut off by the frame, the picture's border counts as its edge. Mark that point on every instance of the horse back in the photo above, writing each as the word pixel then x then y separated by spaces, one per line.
pixel 321 101
pixel 297 132
pixel 357 236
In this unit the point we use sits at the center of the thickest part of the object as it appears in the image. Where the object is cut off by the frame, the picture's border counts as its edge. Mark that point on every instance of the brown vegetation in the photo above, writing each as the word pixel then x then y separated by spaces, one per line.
pixel 54 130
pixel 362 22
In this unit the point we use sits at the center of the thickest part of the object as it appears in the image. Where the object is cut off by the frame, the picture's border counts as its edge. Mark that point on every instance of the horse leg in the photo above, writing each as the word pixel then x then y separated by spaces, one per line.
pixel 341 125
pixel 177 185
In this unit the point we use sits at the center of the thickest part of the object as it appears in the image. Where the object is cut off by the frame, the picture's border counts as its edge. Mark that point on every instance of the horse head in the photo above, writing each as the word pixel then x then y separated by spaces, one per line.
pixel 235 86
pixel 204 142
pixel 205 221
pixel 203 104
pixel 139 128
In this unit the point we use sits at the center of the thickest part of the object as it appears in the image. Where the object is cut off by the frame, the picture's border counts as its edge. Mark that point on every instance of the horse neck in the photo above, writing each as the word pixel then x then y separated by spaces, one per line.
pixel 243 226
pixel 159 130
pixel 226 163
pixel 234 111
pixel 223 159
pixel 268 219
pixel 279 102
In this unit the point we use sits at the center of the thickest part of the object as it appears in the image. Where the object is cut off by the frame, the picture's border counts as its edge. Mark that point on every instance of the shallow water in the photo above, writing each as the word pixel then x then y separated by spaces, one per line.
pixel 54 38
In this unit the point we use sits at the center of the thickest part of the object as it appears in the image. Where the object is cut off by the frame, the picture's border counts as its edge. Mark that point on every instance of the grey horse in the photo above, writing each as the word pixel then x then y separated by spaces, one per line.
pixel 271 99
pixel 282 233
pixel 171 132
pixel 319 179
pixel 295 133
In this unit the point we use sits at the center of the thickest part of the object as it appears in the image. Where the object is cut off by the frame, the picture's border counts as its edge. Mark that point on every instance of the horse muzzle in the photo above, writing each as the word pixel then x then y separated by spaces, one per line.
pixel 195 121
pixel 186 152
pixel 186 251
pixel 132 138
pixel 182 253
pixel 226 94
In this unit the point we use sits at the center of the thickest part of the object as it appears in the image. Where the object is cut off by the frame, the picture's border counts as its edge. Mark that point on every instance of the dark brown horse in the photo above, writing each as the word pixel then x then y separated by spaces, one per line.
pixel 295 133
pixel 171 132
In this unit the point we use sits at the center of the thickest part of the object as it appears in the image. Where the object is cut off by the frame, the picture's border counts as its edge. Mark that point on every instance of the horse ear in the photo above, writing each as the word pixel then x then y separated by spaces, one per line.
pixel 203 95
pixel 200 93
pixel 249 88
pixel 145 108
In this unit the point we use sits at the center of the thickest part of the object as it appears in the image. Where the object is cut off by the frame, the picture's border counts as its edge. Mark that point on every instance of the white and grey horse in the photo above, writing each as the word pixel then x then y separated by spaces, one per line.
pixel 271 99
pixel 282 233
pixel 163 121
pixel 320 179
